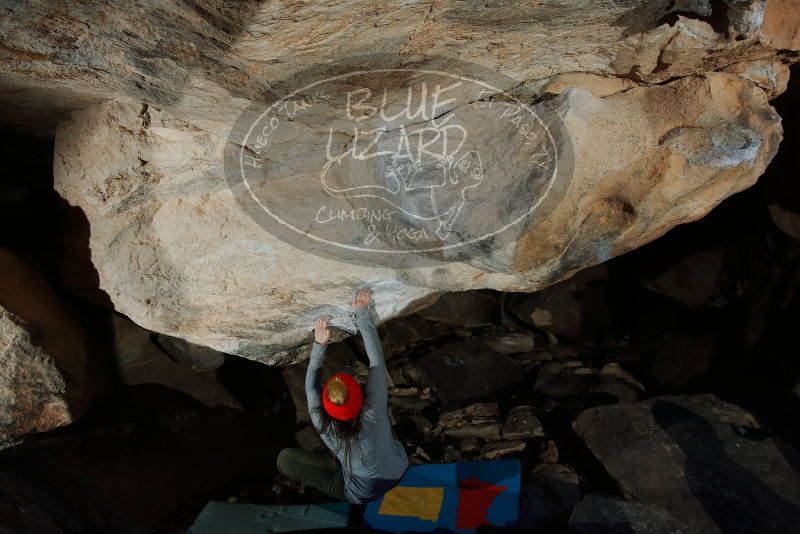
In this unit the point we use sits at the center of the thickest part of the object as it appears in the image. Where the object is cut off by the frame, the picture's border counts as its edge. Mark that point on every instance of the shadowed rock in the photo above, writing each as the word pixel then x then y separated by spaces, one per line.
pixel 700 458
pixel 465 372
pixel 43 362
pixel 602 514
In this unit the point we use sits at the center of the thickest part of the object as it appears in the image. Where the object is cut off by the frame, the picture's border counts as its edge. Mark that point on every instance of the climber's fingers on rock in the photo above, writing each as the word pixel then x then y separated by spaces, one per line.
pixel 363 298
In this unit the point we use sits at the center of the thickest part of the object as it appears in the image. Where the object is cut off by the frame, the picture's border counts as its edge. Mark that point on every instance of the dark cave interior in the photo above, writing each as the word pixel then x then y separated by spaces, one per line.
pixel 710 307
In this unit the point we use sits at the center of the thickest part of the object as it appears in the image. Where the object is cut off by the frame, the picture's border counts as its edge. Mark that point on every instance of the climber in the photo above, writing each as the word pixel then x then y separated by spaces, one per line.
pixel 369 460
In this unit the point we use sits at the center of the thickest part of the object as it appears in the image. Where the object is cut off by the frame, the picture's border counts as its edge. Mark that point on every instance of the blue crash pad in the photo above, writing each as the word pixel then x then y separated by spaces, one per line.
pixel 456 497
pixel 240 518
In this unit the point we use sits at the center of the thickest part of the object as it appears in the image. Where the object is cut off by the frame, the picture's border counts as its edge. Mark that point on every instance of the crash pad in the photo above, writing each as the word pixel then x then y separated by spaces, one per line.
pixel 239 518
pixel 457 497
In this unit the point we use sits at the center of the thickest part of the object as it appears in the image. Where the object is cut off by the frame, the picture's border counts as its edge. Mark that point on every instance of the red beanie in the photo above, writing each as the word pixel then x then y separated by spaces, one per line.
pixel 348 410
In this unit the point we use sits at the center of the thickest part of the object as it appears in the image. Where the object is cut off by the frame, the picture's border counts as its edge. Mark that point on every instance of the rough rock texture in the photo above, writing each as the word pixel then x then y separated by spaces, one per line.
pixel 464 372
pixel 704 460
pixel 480 420
pixel 598 514
pixel 33 391
pixel 42 355
pixel 508 342
pixel 655 132
pixel 522 423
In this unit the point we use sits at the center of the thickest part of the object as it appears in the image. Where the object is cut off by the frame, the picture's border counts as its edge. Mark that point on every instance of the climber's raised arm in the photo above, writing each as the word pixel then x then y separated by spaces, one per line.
pixel 322 336
pixel 377 393
pixel 369 459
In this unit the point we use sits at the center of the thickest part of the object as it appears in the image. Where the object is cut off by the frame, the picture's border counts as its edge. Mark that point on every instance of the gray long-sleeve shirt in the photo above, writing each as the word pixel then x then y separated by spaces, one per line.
pixel 377 460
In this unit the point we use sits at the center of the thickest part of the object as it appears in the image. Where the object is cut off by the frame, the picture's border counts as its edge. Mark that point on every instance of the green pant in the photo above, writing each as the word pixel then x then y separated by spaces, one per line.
pixel 320 471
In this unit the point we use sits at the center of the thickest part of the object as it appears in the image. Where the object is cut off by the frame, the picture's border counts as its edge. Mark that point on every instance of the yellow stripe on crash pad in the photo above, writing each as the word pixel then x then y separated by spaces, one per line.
pixel 411 501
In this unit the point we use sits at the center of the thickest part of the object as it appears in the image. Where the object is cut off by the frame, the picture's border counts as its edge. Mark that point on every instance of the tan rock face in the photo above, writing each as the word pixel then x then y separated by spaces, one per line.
pixel 60 56
pixel 639 127
pixel 781 24
pixel 176 252
pixel 33 390
pixel 42 356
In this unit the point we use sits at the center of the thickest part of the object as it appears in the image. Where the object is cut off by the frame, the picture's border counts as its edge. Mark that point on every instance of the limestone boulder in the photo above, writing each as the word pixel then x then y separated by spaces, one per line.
pixel 43 375
pixel 63 56
pixel 648 130
pixel 177 254
pixel 33 390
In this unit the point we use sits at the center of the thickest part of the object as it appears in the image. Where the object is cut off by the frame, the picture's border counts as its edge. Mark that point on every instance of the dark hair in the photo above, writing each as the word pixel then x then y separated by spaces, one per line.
pixel 343 432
